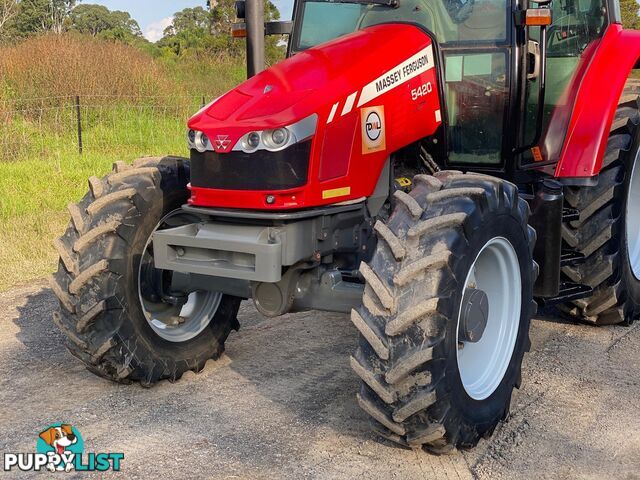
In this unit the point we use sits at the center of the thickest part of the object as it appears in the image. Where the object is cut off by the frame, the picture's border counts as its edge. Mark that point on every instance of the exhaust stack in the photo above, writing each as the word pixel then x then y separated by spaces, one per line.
pixel 254 11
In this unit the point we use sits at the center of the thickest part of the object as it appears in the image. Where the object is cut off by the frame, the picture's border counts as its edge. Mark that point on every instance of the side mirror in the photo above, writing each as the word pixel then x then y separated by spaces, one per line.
pixel 239 30
pixel 240 9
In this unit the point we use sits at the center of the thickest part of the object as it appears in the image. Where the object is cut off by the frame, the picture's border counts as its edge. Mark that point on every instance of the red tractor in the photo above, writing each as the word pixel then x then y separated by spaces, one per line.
pixel 437 168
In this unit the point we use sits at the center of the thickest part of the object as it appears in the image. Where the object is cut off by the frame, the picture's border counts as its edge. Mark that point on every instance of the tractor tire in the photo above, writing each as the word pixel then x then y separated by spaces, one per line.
pixel 97 281
pixel 409 357
pixel 603 233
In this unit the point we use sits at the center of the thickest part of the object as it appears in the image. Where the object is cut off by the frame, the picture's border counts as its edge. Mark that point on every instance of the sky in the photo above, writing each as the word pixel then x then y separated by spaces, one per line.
pixel 155 15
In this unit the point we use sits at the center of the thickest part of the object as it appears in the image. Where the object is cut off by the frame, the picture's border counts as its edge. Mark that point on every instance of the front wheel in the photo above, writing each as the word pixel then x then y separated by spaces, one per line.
pixel 119 313
pixel 446 311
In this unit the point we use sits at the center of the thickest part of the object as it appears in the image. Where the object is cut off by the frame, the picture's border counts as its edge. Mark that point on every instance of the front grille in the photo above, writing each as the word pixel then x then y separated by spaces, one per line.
pixel 261 170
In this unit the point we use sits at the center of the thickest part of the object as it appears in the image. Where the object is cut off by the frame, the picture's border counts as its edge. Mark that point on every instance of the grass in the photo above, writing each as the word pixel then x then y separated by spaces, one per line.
pixel 132 106
pixel 34 192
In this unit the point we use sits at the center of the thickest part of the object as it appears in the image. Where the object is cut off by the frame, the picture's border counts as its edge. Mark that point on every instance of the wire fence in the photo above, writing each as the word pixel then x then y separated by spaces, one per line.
pixel 58 127
pixel 40 128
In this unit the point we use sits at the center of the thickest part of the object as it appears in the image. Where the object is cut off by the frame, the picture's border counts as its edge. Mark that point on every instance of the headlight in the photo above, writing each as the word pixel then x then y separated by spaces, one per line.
pixel 278 138
pixel 275 139
pixel 198 140
pixel 252 141
pixel 202 142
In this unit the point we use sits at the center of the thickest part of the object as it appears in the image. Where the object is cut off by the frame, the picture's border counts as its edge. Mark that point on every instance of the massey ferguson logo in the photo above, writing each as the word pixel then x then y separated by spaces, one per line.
pixel 222 142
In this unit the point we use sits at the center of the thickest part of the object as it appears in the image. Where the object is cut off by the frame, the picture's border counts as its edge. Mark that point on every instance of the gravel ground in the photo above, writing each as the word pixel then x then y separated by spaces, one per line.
pixel 281 404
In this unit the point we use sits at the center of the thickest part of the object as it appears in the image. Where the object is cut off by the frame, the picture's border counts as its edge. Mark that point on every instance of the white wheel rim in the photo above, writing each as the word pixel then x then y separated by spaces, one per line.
pixel 496 271
pixel 196 314
pixel 173 323
pixel 633 220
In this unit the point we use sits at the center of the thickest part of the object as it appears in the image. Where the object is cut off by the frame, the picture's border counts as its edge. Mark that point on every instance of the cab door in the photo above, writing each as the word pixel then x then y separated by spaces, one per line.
pixel 477 69
pixel 571 39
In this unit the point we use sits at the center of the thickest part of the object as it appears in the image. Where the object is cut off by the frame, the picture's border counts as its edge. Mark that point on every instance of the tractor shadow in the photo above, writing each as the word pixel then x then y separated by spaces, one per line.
pixel 297 365
pixel 41 339
pixel 281 397
pixel 282 394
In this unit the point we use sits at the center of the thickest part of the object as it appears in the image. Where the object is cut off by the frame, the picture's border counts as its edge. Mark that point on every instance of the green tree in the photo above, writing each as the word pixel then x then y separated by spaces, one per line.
pixel 34 16
pixel 189 19
pixel 630 17
pixel 188 31
pixel 57 14
pixel 97 20
pixel 199 30
pixel 223 14
pixel 8 11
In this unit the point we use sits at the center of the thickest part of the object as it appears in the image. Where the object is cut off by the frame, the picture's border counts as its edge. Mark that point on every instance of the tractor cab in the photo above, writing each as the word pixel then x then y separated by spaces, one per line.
pixel 475 41
pixel 491 66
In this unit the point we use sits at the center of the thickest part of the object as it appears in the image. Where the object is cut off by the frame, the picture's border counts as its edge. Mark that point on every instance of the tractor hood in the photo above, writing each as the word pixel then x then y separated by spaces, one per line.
pixel 329 80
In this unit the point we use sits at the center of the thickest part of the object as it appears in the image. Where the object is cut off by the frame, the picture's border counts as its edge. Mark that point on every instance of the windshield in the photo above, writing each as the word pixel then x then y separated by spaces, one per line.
pixel 324 21
pixel 451 21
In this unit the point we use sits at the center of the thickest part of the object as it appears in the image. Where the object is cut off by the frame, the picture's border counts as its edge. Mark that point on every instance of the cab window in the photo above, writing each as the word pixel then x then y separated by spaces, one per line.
pixel 451 21
pixel 324 21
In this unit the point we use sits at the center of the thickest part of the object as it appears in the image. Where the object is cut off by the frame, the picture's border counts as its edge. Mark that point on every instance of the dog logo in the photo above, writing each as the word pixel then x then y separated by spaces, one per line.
pixel 222 142
pixel 60 439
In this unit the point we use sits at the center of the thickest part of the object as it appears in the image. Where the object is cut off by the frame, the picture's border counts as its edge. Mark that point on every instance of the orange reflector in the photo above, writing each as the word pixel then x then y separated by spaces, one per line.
pixel 537 17
pixel 239 30
pixel 537 154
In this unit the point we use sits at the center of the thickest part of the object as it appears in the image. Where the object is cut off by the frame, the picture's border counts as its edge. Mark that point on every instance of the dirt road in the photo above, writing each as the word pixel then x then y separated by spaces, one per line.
pixel 280 404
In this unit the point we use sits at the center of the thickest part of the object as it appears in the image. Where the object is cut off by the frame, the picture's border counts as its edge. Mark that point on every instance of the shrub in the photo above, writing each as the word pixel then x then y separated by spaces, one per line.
pixel 73 64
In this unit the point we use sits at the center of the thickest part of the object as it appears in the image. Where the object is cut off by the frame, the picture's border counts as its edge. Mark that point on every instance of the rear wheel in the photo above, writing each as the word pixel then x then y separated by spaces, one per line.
pixel 608 230
pixel 446 311
pixel 118 312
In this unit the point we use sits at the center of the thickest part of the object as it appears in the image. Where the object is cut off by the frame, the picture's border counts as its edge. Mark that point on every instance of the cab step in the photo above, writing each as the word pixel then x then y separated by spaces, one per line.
pixel 568 292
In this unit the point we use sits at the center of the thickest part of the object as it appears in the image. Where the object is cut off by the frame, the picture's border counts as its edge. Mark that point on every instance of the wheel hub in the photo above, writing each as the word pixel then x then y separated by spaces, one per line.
pixel 174 316
pixel 474 315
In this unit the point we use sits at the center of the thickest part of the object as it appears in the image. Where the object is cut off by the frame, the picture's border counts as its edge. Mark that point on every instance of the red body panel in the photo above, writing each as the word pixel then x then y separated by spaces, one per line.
pixel 336 81
pixel 598 86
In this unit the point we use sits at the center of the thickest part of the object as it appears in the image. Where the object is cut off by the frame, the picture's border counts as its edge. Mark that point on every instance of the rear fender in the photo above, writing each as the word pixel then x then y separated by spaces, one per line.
pixel 599 88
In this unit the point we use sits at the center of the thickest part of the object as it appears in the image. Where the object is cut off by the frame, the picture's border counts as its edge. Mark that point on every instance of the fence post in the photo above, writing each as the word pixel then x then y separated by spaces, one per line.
pixel 79 122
